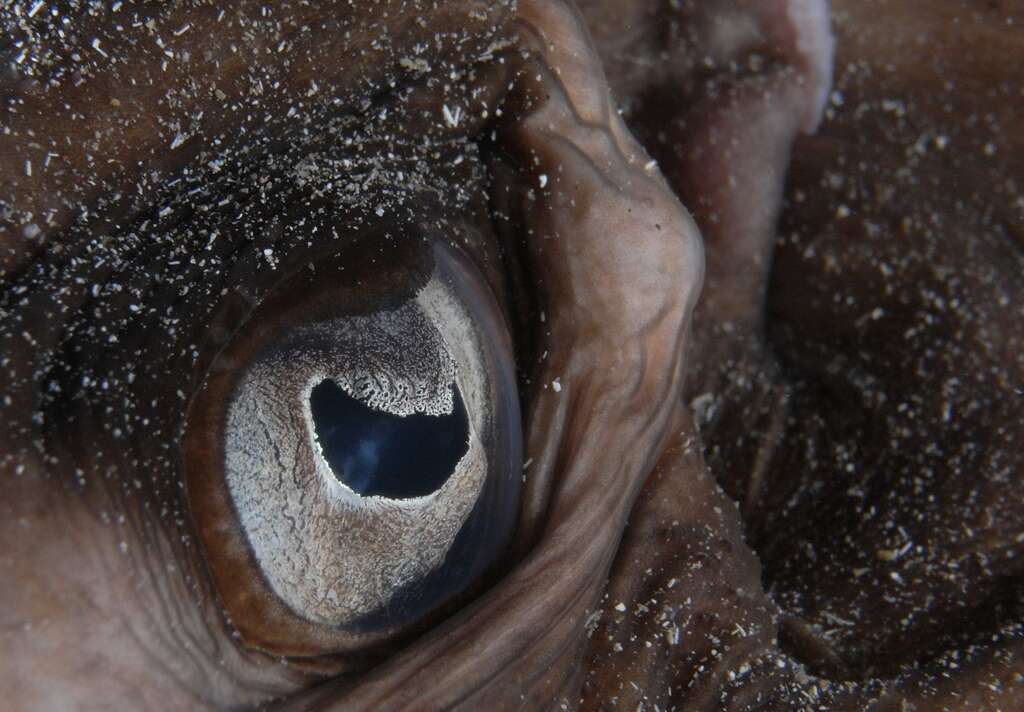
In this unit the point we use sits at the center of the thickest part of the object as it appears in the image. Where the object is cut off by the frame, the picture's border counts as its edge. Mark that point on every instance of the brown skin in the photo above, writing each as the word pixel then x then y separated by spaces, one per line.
pixel 110 602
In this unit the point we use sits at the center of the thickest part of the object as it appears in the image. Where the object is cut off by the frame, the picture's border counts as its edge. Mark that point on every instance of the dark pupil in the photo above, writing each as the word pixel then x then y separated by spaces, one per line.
pixel 376 453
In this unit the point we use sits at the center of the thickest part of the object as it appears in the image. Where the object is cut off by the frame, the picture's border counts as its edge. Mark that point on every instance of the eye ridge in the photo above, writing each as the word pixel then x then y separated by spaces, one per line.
pixel 380 454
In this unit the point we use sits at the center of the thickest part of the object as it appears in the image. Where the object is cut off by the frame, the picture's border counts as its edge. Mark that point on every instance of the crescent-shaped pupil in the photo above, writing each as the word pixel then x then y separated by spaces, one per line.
pixel 375 453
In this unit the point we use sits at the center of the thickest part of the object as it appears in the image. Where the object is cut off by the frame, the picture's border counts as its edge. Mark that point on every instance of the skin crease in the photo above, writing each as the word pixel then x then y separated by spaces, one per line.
pixel 798 366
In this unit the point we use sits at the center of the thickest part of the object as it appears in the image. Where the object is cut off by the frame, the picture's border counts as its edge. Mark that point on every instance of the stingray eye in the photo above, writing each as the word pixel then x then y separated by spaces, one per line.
pixel 361 432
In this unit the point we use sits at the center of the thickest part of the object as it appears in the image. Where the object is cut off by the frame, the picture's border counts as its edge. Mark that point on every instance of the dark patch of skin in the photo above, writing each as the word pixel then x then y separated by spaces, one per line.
pixel 879 498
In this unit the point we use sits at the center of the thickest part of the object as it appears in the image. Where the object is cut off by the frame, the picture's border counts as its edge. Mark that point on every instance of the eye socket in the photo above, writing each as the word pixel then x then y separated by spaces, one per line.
pixel 353 457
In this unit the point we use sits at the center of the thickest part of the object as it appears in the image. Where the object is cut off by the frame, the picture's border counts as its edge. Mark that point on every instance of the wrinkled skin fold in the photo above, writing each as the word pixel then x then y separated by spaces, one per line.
pixel 770 253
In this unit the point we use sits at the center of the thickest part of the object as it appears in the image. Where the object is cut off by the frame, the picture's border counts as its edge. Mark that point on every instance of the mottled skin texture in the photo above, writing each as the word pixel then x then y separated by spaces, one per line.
pixel 788 479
